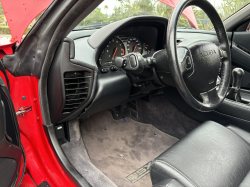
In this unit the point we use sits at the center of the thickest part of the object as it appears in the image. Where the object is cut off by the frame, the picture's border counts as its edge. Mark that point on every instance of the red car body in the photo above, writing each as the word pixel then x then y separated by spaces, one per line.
pixel 42 163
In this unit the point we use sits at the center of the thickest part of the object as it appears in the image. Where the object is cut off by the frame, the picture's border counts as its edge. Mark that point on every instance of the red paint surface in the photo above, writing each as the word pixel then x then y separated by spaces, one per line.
pixel 188 12
pixel 20 13
pixel 41 160
pixel 27 181
pixel 6 46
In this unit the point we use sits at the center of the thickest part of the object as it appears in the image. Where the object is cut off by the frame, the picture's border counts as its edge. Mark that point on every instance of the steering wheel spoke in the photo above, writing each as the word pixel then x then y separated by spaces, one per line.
pixel 185 61
pixel 223 54
pixel 210 98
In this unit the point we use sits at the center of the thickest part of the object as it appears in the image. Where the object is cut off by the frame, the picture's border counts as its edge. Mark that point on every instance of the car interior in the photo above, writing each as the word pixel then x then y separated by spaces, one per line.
pixel 141 103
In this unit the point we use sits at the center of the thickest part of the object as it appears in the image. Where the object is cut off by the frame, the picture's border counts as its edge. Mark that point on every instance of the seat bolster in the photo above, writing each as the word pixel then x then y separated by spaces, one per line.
pixel 161 170
pixel 168 183
pixel 210 156
pixel 243 134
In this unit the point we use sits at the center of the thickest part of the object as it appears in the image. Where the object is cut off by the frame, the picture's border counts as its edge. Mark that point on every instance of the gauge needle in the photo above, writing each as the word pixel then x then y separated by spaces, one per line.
pixel 114 53
pixel 135 48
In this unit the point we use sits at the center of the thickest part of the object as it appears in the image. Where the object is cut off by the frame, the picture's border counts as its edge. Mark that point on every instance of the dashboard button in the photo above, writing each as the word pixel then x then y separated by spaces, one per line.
pixel 113 68
pixel 124 63
pixel 105 70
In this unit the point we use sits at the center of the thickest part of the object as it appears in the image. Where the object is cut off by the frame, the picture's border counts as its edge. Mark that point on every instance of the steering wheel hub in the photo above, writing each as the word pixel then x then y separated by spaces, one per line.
pixel 203 64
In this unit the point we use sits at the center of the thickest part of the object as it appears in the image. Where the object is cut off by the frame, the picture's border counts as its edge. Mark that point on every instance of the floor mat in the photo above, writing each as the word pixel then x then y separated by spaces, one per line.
pixel 77 154
pixel 120 147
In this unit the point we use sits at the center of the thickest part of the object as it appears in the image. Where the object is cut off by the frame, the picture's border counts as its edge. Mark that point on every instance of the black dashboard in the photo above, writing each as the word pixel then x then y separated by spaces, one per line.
pixel 83 78
pixel 83 81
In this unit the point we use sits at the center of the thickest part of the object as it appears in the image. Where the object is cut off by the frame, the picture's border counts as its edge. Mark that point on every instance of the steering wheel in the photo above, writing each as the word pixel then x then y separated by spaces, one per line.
pixel 200 62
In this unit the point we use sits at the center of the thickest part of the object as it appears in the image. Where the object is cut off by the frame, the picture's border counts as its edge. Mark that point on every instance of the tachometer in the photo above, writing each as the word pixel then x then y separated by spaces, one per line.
pixel 115 48
pixel 134 45
pixel 148 49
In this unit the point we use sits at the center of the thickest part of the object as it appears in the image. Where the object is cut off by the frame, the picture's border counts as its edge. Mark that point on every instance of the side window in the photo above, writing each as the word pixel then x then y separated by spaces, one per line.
pixel 201 21
pixel 4 29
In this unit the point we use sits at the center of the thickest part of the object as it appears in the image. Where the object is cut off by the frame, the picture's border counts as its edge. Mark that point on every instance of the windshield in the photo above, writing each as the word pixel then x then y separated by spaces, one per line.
pixel 113 10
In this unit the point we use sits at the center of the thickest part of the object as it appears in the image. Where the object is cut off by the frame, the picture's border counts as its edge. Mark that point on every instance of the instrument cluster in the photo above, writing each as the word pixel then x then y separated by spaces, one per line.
pixel 121 45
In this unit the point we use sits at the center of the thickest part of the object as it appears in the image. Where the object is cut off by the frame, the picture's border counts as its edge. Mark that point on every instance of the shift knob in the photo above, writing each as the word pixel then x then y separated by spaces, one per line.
pixel 234 94
pixel 237 74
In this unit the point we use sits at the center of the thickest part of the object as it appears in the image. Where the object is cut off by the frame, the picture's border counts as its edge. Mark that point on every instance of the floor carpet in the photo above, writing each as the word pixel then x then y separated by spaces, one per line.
pixel 120 147
pixel 162 114
pixel 76 152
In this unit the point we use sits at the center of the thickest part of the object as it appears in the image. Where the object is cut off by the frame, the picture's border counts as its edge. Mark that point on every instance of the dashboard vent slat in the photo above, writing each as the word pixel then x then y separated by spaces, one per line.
pixel 78 78
pixel 76 89
pixel 83 93
pixel 76 83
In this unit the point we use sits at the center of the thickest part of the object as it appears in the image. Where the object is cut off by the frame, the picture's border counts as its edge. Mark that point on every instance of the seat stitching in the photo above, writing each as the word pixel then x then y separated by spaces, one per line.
pixel 177 171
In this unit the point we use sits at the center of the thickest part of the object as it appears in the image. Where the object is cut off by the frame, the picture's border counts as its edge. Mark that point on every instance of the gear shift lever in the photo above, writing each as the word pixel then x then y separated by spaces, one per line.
pixel 234 94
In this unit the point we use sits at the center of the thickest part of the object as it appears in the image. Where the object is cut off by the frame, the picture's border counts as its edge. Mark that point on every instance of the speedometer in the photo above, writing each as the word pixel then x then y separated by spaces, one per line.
pixel 134 45
pixel 115 48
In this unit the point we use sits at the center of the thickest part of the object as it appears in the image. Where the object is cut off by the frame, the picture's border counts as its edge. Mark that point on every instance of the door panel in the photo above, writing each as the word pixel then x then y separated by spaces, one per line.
pixel 10 151
pixel 9 165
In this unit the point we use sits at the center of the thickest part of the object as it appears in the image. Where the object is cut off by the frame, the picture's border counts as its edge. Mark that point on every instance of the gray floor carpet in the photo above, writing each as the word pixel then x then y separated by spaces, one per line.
pixel 77 154
pixel 162 114
pixel 118 148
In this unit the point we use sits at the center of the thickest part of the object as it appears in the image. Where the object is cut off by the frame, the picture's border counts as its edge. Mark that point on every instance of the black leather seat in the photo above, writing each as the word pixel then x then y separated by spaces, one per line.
pixel 210 156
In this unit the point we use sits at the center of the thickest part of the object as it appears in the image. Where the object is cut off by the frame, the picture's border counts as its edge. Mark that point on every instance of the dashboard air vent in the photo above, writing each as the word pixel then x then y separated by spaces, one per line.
pixel 76 89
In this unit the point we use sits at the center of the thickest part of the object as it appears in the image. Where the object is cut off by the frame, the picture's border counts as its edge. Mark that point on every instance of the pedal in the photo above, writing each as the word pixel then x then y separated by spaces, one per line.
pixel 116 112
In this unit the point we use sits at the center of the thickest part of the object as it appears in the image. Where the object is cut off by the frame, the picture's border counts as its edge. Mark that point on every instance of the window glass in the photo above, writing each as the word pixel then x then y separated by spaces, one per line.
pixel 113 10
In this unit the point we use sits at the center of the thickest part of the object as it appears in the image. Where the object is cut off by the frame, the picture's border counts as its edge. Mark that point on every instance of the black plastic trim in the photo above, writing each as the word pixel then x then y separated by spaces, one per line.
pixel 101 37
pixel 9 150
pixel 112 89
pixel 71 47
pixel 56 86
pixel 74 175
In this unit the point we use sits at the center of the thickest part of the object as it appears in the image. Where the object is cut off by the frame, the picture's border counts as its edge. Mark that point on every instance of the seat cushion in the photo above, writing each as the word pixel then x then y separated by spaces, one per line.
pixel 210 156
pixel 243 134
